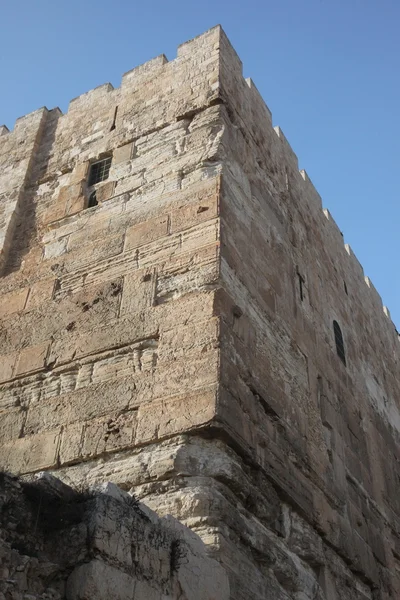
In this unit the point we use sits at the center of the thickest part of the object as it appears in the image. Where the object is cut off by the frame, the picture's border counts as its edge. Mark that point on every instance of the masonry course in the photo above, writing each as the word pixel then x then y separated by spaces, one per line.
pixel 177 338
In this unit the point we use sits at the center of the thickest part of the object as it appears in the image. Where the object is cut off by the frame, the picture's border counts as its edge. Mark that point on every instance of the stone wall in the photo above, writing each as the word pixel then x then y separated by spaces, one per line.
pixel 177 338
pixel 57 544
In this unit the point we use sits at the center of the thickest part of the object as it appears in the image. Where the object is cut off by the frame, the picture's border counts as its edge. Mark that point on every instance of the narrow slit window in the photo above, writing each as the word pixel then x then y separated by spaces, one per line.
pixel 114 119
pixel 99 171
pixel 301 286
pixel 339 342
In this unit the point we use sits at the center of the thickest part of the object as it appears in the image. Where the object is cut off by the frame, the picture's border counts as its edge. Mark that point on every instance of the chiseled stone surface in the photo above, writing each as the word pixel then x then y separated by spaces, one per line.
pixel 57 544
pixel 177 338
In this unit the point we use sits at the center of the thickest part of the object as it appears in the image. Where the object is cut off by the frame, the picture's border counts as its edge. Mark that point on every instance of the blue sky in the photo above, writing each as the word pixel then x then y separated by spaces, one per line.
pixel 328 70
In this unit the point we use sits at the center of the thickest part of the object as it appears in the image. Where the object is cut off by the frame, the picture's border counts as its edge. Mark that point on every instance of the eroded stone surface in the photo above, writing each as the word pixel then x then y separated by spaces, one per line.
pixel 60 545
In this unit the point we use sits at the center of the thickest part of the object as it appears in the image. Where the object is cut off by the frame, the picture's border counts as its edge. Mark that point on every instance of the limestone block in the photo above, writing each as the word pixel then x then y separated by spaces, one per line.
pixel 187 216
pixel 12 423
pixel 146 232
pixel 188 339
pixel 55 212
pixel 202 235
pixel 108 435
pixel 71 443
pixel 73 197
pixel 56 249
pixel 138 291
pixel 105 192
pixel 122 154
pixel 7 363
pixel 84 404
pixel 13 302
pixel 32 359
pixel 69 201
pixel 32 453
pixel 163 418
pixel 40 293
pixel 181 376
pixel 79 173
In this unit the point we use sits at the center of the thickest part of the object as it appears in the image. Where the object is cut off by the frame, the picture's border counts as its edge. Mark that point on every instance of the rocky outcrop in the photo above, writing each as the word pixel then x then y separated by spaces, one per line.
pixel 59 544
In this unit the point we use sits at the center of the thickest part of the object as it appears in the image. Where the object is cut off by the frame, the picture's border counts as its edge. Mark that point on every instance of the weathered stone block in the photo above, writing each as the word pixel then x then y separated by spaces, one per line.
pixel 138 291
pixel 32 359
pixel 185 216
pixel 146 232
pixel 31 453
pixel 7 363
pixel 13 302
pixel 122 154
pixel 105 192
pixel 164 418
pixel 79 173
pixel 40 293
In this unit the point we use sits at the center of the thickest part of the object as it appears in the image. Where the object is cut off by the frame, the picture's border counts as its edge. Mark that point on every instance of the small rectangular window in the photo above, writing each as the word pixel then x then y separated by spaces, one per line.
pixel 99 171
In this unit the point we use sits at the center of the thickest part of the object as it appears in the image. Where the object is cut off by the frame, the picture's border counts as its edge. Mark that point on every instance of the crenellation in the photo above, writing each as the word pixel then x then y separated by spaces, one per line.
pixel 92 97
pixel 289 155
pixel 147 70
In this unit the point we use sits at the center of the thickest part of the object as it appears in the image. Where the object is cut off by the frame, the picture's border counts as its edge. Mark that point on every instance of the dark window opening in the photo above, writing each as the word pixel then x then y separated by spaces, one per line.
pixel 92 200
pixel 345 287
pixel 301 286
pixel 339 342
pixel 99 171
pixel 114 119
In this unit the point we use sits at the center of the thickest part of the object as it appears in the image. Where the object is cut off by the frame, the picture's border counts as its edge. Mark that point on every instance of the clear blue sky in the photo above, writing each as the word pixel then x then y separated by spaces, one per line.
pixel 328 70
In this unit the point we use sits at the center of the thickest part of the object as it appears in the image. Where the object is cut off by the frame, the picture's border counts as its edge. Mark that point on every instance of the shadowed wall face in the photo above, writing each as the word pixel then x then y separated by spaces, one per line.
pixel 171 302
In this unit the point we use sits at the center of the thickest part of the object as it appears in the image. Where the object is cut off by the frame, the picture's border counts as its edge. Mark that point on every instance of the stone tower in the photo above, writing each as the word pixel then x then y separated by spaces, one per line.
pixel 180 316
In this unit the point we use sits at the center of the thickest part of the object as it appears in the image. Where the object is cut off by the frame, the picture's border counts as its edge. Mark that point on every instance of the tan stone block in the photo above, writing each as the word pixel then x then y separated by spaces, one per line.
pixel 138 291
pixel 85 404
pixel 55 212
pixel 188 339
pixel 174 415
pixel 191 260
pixel 7 363
pixel 122 154
pixel 76 205
pixel 79 173
pixel 12 422
pixel 203 235
pixel 32 358
pixel 133 327
pixel 109 434
pixel 146 232
pixel 71 443
pixel 73 198
pixel 190 215
pixel 179 376
pixel 31 453
pixel 68 193
pixel 40 292
pixel 105 191
pixel 13 302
